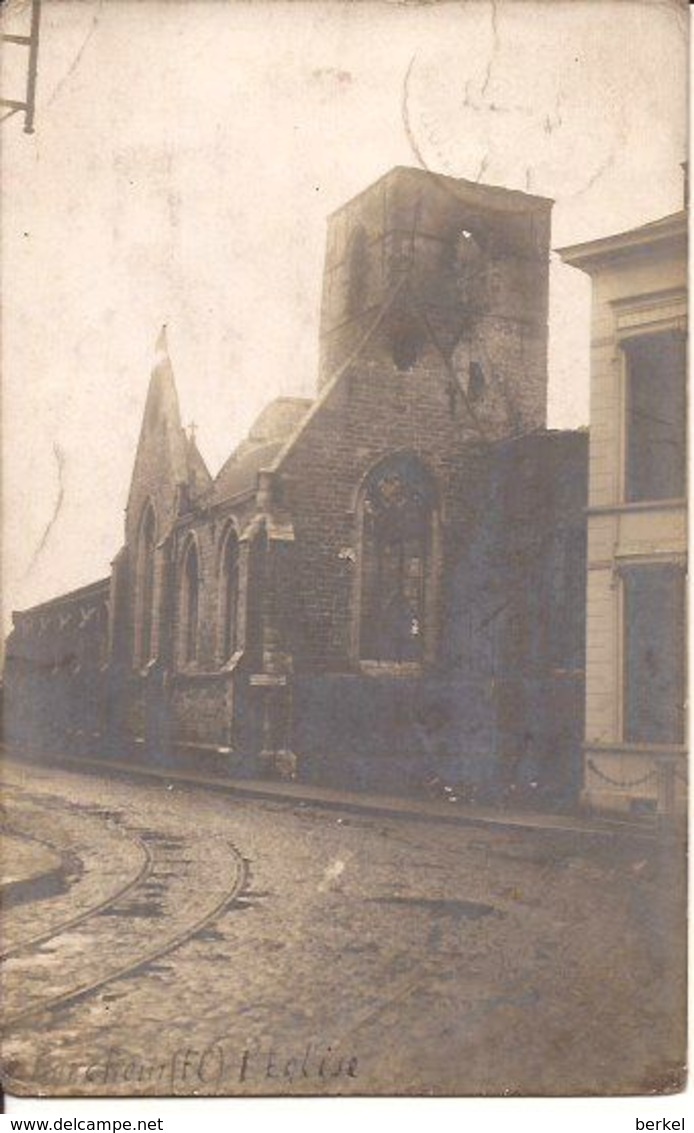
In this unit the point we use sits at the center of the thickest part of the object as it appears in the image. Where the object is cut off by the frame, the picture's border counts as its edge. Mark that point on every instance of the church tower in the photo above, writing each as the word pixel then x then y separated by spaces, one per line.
pixel 429 272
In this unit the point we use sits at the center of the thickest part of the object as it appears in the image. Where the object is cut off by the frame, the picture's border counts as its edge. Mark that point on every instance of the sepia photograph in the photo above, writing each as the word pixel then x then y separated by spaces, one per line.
pixel 344 414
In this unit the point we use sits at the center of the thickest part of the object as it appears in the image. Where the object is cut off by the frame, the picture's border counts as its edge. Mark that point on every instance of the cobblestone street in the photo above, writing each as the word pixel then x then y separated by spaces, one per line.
pixel 195 943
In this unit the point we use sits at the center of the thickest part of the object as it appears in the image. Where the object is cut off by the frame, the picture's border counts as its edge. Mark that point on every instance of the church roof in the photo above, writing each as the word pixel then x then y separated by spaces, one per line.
pixel 279 418
pixel 240 472
pixel 266 437
pixel 91 592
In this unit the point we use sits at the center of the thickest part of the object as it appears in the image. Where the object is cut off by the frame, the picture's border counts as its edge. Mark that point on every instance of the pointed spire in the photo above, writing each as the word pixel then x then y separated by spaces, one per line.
pixel 162 413
pixel 161 351
pixel 162 394
pixel 167 458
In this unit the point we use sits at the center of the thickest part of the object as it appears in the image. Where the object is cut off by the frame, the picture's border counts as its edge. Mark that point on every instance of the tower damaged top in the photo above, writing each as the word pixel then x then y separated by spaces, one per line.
pixel 462 263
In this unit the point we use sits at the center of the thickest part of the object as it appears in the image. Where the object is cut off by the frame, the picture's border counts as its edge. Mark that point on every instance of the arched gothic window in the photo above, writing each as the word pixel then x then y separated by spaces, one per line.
pixel 190 601
pixel 144 613
pixel 229 595
pixel 397 512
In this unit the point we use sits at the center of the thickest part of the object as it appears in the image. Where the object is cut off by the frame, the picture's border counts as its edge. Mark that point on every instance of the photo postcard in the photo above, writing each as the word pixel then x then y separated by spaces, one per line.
pixel 344 424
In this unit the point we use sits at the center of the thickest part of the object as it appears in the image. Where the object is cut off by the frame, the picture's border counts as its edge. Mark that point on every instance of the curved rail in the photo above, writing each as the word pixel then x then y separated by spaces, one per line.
pixel 165 850
pixel 73 922
pixel 147 958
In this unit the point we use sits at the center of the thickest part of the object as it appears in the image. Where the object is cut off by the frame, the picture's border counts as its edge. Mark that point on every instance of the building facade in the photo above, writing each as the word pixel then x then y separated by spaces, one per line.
pixel 379 586
pixel 635 756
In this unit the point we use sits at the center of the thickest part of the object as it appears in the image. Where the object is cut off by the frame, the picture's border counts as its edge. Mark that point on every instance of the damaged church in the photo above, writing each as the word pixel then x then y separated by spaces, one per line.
pixel 380 586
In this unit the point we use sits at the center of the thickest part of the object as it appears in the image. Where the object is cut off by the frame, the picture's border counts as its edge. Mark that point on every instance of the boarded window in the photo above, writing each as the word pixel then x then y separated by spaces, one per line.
pixel 654 631
pixel 656 418
pixel 397 511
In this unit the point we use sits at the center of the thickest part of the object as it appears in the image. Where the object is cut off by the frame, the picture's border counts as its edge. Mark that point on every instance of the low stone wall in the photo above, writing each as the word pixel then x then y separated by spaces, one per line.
pixel 485 738
pixel 402 735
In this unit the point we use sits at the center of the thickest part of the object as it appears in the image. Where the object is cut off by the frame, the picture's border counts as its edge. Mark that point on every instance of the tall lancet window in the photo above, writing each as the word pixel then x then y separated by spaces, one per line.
pixel 144 611
pixel 229 595
pixel 397 512
pixel 190 602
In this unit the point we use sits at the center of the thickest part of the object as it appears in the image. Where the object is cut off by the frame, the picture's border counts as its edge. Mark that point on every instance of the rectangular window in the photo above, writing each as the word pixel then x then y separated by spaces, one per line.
pixel 654 654
pixel 656 417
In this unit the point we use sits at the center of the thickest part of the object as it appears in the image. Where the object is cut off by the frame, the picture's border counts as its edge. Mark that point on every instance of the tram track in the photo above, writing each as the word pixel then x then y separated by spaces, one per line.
pixel 181 887
pixel 75 921
pixel 30 808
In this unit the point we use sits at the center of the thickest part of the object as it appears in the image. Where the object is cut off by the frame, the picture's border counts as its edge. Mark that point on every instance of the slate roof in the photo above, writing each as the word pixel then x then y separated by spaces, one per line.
pixel 267 436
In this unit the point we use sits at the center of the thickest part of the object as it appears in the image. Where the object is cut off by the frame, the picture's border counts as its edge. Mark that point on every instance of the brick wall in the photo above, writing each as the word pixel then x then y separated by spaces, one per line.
pixel 505 698
pixel 55 670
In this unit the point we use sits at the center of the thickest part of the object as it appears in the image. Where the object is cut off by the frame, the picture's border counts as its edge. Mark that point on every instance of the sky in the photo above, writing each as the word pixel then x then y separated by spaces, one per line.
pixel 185 158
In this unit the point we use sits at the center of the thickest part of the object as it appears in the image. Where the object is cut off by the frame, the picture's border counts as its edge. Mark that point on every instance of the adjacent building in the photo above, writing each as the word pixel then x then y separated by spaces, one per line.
pixel 634 758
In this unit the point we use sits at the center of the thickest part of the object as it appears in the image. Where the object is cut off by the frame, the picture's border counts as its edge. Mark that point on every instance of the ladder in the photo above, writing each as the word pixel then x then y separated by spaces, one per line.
pixel 31 42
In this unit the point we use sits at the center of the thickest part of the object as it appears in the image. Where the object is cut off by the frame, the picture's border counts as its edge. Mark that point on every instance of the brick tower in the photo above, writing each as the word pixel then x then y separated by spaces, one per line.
pixel 428 272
